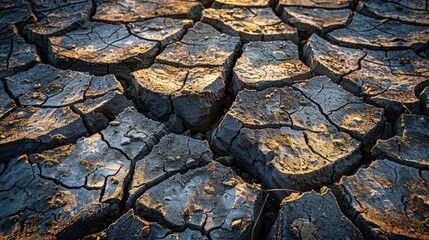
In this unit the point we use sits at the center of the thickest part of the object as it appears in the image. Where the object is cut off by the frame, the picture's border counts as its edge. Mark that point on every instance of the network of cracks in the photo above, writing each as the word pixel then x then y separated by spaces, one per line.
pixel 214 119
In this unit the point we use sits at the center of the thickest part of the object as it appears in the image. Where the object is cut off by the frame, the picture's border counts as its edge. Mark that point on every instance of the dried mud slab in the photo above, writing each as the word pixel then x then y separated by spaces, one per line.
pixel 55 18
pixel 285 140
pixel 410 145
pixel 362 121
pixel 194 95
pixel 100 49
pixel 163 30
pixel 331 60
pixel 17 15
pixel 408 11
pixel 89 164
pixel 376 34
pixel 424 99
pixel 387 200
pixel 388 79
pixel 284 158
pixel 16 55
pixel 133 134
pixel 46 86
pixel 254 24
pixel 137 10
pixel 212 199
pixel 270 108
pixel 97 99
pixel 317 4
pixel 98 112
pixel 242 3
pixel 131 226
pixel 315 20
pixel 311 215
pixel 174 154
pixel 391 80
pixel 30 129
pixel 268 64
pixel 35 207
pixel 201 46
pixel 6 103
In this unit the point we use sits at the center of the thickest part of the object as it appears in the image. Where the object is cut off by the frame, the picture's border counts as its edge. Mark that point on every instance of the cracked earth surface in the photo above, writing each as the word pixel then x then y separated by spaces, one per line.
pixel 214 119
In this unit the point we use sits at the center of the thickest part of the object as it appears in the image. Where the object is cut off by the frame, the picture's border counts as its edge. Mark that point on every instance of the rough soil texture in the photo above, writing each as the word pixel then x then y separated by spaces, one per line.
pixel 16 54
pixel 211 199
pixel 138 10
pixel 268 64
pixel 371 33
pixel 412 12
pixel 388 79
pixel 387 200
pixel 253 24
pixel 194 95
pixel 315 20
pixel 313 216
pixel 295 134
pixel 201 46
pixel 55 18
pixel 409 146
pixel 214 119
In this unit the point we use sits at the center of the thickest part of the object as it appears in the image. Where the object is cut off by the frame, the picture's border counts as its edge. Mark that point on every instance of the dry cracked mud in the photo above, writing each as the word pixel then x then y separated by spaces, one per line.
pixel 55 18
pixel 16 54
pixel 388 79
pixel 214 119
pixel 299 138
pixel 268 64
pixel 138 10
pixel 313 216
pixel 250 24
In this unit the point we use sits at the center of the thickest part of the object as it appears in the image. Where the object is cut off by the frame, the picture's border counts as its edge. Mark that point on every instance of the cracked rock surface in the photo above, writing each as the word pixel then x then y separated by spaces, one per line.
pixel 201 46
pixel 424 99
pixel 287 140
pixel 55 18
pixel 133 134
pixel 56 107
pixel 137 10
pixel 174 154
pixel 371 33
pixel 331 60
pixel 210 119
pixel 46 86
pixel 194 95
pixel 241 3
pixel 253 24
pixel 313 215
pixel 98 112
pixel 387 200
pixel 30 129
pixel 348 113
pixel 268 64
pixel 388 79
pixel 315 20
pixel 408 11
pixel 409 146
pixel 38 207
pixel 317 3
pixel 131 226
pixel 16 55
pixel 89 164
pixel 163 30
pixel 6 103
pixel 18 13
pixel 102 48
pixel 212 199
